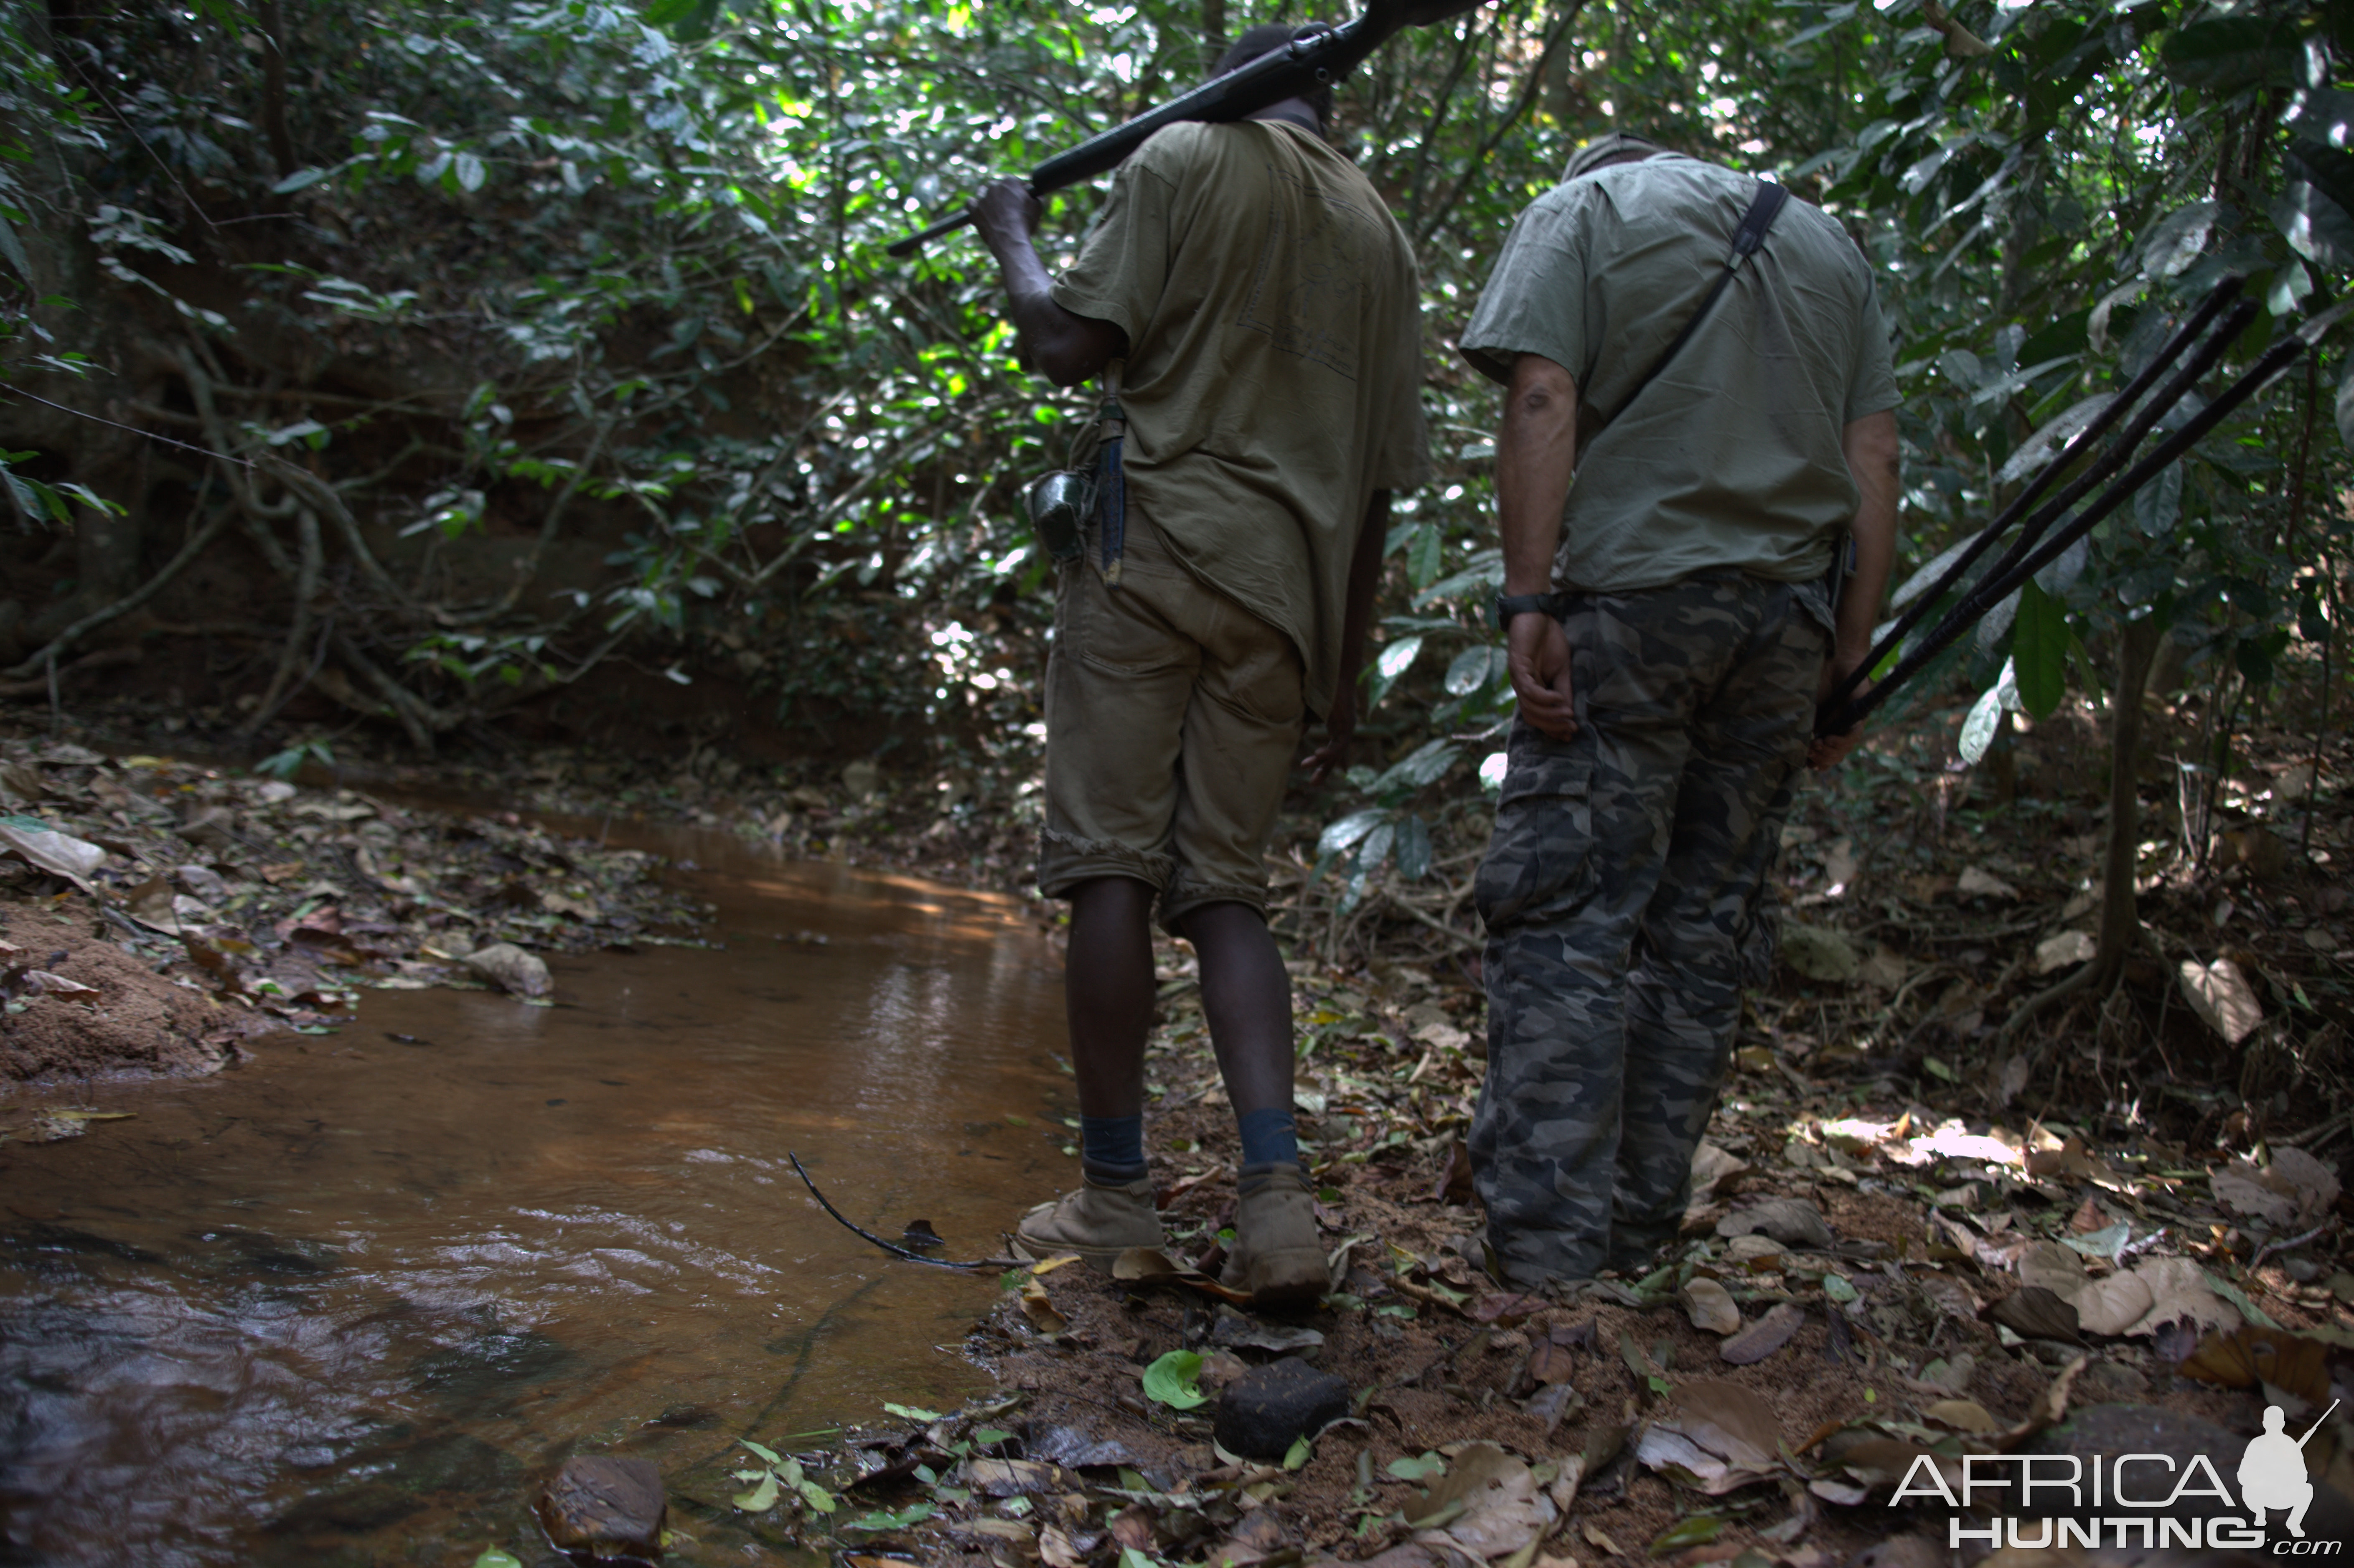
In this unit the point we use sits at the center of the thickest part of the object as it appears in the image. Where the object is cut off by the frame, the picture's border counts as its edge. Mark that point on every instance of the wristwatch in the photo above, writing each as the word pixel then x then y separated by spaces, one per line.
pixel 1511 605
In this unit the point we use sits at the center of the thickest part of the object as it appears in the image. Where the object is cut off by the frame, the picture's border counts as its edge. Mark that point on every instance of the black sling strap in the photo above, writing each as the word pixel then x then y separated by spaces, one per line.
pixel 1763 208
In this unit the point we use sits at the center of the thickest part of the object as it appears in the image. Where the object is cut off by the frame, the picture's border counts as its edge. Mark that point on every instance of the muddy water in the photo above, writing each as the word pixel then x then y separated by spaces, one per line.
pixel 343 1304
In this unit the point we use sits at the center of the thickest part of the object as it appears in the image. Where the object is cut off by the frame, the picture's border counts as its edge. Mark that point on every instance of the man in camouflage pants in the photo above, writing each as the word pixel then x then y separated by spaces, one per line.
pixel 1671 627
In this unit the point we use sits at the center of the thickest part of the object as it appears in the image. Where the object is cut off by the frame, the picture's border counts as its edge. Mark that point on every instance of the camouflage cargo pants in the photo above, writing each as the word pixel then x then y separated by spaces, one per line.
pixel 1624 892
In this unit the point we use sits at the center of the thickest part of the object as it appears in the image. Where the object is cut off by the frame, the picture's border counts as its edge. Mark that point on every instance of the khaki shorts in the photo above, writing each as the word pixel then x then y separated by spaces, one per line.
pixel 1172 714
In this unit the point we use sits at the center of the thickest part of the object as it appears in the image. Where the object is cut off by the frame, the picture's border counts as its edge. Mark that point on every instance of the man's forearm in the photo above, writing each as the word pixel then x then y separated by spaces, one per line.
pixel 1536 453
pixel 1364 578
pixel 1874 461
pixel 1067 348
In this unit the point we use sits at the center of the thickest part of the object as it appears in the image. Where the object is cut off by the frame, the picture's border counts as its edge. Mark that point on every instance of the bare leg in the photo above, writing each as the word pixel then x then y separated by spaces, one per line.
pixel 1247 997
pixel 1107 992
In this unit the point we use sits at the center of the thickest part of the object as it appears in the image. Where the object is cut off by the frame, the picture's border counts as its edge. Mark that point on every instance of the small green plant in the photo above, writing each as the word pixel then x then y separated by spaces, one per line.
pixel 287 763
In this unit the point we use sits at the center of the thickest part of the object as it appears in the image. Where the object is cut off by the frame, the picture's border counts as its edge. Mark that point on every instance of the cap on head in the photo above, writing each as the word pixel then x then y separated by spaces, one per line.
pixel 1267 37
pixel 1619 147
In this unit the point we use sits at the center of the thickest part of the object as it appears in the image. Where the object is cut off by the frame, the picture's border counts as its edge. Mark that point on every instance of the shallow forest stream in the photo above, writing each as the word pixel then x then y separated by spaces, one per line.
pixel 347 1302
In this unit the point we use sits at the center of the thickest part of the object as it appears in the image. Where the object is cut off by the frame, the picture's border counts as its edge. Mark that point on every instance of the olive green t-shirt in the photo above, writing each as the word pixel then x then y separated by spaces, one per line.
pixel 1731 457
pixel 1274 365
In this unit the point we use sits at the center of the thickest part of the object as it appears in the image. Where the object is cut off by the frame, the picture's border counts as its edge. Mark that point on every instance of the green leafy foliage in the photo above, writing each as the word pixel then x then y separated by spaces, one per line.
pixel 1170 1380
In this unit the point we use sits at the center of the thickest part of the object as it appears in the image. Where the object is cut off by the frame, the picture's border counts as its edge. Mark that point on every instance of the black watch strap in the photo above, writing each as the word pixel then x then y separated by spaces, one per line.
pixel 1516 604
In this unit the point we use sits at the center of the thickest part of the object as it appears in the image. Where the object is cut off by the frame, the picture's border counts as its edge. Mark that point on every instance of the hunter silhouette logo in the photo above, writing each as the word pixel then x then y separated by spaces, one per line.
pixel 2271 1472
pixel 2147 1500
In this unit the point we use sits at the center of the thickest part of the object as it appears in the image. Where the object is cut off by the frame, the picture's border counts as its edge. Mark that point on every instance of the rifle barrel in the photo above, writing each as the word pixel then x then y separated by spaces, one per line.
pixel 1278 74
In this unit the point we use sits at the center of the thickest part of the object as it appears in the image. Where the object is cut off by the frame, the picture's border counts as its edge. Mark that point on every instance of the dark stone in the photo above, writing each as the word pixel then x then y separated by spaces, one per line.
pixel 1267 1409
pixel 600 1507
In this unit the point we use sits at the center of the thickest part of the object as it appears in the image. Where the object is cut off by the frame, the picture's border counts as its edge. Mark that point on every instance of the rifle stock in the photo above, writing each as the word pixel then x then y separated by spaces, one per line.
pixel 1298 66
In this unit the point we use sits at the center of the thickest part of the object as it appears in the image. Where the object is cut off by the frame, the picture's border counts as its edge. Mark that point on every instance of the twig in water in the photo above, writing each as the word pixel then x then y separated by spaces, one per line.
pixel 893 1249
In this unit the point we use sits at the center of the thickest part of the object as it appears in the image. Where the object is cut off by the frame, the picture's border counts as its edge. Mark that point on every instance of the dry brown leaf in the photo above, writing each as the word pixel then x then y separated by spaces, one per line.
pixel 1710 1307
pixel 1039 1308
pixel 1961 1415
pixel 2181 1289
pixel 2221 994
pixel 2056 1268
pixel 1730 1420
pixel 1764 1336
pixel 2035 1313
pixel 2248 1355
pixel 2110 1307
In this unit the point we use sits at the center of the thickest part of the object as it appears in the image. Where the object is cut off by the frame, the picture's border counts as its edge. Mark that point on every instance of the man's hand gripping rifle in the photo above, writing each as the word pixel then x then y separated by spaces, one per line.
pixel 1302 65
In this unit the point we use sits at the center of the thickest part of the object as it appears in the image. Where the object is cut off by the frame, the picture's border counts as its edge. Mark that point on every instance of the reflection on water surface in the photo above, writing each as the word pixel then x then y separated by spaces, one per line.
pixel 344 1303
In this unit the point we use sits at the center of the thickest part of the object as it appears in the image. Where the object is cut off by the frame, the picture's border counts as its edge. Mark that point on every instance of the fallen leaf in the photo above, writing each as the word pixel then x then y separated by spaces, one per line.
pixel 1594 1537
pixel 1501 1510
pixel 1173 1380
pixel 2242 1191
pixel 1710 1307
pixel 1250 1334
pixel 1793 1221
pixel 1506 1310
pixel 2315 1184
pixel 2183 1290
pixel 2064 951
pixel 1008 1477
pixel 2110 1307
pixel 1712 1165
pixel 2220 993
pixel 2248 1356
pixel 1552 1405
pixel 36 843
pixel 1976 882
pixel 1764 1336
pixel 1731 1420
pixel 2035 1313
pixel 1961 1415
pixel 1039 1308
pixel 1055 1550
pixel 41 982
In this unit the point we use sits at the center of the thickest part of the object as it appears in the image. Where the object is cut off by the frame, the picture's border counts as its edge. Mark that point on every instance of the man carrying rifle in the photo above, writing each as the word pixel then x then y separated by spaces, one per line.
pixel 1261 307
pixel 1670 625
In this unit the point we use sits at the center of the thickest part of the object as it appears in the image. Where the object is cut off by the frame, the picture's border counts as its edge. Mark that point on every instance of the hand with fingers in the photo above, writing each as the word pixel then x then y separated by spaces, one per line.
pixel 1536 651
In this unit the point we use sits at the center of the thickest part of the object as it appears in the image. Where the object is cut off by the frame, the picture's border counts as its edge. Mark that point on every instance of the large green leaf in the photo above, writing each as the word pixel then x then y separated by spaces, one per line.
pixel 2038 652
pixel 2227 53
pixel 1170 1380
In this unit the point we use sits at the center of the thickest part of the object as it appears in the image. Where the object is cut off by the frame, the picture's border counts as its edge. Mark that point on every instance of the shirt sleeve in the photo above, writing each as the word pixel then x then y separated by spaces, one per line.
pixel 1404 461
pixel 1872 385
pixel 1535 298
pixel 1123 267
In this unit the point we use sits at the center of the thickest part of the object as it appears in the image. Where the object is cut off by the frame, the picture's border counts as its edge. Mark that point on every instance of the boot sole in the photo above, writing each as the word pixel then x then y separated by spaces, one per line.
pixel 1100 1258
pixel 1294 1280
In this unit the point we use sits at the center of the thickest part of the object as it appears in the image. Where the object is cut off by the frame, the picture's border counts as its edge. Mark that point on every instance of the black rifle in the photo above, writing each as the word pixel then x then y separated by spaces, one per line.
pixel 2031 552
pixel 1298 66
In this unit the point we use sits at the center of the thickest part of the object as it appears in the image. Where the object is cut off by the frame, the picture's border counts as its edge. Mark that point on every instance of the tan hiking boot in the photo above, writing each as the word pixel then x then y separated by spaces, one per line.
pixel 1099 1223
pixel 1275 1256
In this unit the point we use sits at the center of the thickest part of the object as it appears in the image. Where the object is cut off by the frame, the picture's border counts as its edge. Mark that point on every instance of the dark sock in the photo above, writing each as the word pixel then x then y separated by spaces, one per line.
pixel 1270 1137
pixel 1111 1148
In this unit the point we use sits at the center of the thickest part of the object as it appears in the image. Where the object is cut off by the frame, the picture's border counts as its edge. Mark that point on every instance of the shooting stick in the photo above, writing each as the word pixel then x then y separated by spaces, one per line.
pixel 2027 557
